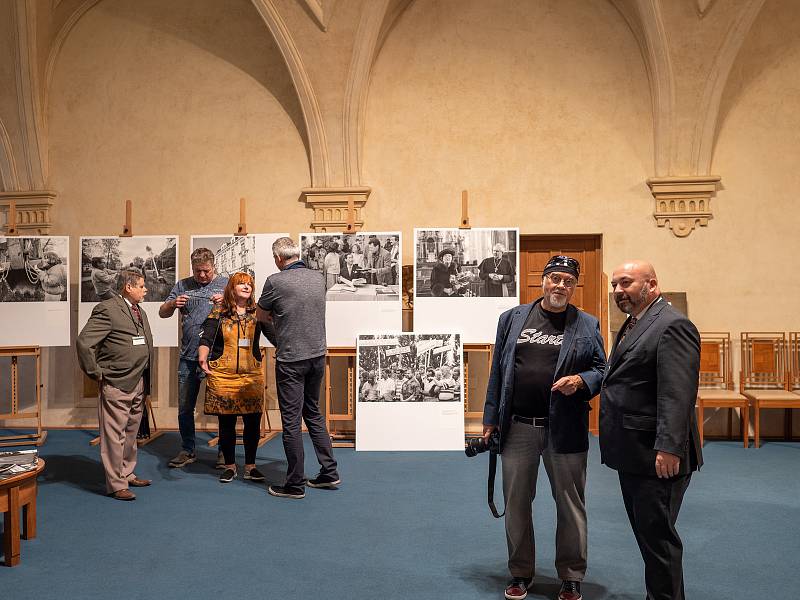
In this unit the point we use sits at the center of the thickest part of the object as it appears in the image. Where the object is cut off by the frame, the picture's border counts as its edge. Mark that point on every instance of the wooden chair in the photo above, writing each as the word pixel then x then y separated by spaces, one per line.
pixel 765 378
pixel 794 362
pixel 716 383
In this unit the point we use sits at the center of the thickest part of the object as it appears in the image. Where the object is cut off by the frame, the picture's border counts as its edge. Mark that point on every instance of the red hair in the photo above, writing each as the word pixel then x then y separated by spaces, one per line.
pixel 229 300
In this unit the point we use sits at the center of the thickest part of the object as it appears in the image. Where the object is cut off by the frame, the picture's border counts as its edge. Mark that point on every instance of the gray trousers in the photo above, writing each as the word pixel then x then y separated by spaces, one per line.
pixel 120 413
pixel 567 474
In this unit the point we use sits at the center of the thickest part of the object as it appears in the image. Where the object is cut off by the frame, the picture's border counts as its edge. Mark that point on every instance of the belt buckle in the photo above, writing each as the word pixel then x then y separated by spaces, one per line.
pixel 539 422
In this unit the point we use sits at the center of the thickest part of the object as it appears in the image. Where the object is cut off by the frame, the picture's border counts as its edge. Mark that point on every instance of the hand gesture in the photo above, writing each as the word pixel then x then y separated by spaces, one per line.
pixel 568 385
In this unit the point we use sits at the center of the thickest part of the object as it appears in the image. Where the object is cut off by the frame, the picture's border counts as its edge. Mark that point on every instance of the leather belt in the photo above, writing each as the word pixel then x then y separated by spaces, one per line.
pixel 535 421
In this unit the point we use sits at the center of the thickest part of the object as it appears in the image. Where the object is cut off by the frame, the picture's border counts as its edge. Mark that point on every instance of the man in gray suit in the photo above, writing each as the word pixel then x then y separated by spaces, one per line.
pixel 115 348
pixel 648 429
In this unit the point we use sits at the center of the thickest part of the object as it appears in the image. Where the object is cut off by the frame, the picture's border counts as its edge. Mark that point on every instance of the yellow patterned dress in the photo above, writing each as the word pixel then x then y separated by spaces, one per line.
pixel 236 383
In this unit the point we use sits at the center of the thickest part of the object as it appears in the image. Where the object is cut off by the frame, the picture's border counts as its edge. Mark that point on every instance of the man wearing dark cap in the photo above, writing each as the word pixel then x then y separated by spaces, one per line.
pixel 444 275
pixel 548 363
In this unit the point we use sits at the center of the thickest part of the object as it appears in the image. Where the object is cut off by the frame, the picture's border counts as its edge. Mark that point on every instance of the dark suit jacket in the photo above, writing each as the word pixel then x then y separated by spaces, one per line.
pixel 581 354
pixel 105 346
pixel 648 394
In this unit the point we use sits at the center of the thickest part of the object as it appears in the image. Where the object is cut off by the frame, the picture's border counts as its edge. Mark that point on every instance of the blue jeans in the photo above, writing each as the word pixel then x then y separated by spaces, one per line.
pixel 189 377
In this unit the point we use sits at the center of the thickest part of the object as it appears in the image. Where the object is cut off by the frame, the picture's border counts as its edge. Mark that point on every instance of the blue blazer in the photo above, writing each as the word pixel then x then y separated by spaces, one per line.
pixel 581 354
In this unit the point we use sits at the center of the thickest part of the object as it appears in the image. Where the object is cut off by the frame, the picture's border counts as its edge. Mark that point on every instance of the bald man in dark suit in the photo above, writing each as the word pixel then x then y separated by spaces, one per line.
pixel 648 428
pixel 115 348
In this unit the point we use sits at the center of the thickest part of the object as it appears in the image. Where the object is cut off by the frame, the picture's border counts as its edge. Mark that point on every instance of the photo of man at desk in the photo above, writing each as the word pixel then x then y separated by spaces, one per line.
pixel 357 267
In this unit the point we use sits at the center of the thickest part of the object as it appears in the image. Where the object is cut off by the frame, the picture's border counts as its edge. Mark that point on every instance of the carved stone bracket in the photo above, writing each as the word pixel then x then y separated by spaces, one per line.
pixel 683 202
pixel 33 211
pixel 330 206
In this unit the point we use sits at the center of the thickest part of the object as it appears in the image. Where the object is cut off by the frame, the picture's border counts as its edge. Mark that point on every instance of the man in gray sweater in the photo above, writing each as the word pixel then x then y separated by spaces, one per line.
pixel 292 310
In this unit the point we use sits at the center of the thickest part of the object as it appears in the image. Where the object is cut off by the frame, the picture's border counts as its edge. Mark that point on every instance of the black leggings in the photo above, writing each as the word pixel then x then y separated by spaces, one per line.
pixel 227 437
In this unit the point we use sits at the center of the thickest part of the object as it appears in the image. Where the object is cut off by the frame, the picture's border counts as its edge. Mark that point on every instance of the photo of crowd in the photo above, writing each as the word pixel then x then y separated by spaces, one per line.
pixel 409 368
pixel 362 266
pixel 472 263
pixel 103 257
pixel 34 269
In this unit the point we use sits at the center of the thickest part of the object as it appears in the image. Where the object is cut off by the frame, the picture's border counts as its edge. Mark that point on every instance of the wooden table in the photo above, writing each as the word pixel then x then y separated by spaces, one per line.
pixel 15 493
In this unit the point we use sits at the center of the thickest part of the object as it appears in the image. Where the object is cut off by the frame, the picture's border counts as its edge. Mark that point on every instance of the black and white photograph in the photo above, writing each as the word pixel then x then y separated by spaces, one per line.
pixel 466 263
pixel 232 253
pixel 464 279
pixel 34 269
pixel 356 267
pixel 103 257
pixel 409 368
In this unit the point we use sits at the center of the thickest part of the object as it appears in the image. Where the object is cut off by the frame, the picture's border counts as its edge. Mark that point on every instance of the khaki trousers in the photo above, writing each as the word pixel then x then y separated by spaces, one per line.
pixel 567 474
pixel 120 413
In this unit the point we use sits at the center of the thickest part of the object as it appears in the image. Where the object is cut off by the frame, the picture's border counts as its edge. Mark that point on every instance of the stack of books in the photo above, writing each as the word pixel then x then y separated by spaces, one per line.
pixel 16 462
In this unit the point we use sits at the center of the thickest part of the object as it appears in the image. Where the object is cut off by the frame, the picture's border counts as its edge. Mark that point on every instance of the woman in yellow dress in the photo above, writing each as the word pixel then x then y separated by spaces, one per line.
pixel 229 354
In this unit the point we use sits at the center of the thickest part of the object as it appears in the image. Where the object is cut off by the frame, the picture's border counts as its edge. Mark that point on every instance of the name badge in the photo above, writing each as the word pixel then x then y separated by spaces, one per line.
pixel 244 343
pixel 138 340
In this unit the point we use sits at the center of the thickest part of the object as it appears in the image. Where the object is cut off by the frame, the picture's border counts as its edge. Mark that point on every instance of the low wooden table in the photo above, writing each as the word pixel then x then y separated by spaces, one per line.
pixel 15 493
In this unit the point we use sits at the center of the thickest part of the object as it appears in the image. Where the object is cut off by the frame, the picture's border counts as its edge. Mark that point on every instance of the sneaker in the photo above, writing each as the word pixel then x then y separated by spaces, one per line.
pixel 227 476
pixel 254 474
pixel 570 590
pixel 184 458
pixel 517 589
pixel 286 492
pixel 220 461
pixel 324 481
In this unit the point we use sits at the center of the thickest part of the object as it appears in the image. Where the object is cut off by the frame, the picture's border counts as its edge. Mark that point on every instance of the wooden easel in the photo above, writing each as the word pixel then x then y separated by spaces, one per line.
pixel 38 438
pixel 464 211
pixel 127 231
pixel 266 433
pixel 14 352
pixel 342 439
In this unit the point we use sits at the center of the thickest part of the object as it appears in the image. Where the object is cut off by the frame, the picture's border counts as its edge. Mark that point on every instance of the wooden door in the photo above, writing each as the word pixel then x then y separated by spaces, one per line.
pixel 536 250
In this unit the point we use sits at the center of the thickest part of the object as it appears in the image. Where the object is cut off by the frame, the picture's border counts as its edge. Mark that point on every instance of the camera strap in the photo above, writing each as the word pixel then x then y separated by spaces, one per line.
pixel 492 473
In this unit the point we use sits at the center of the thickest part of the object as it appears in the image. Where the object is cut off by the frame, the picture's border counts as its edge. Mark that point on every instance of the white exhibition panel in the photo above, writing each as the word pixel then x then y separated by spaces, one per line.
pixel 410 426
pixel 165 331
pixel 475 318
pixel 264 265
pixel 45 323
pixel 345 319
pixel 34 323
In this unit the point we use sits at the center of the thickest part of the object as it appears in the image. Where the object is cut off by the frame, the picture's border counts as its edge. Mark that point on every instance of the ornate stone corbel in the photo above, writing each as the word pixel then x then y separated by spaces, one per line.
pixel 33 211
pixel 330 206
pixel 683 202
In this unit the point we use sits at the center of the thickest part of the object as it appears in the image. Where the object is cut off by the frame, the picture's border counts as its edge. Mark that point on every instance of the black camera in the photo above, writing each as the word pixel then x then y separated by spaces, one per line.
pixel 479 445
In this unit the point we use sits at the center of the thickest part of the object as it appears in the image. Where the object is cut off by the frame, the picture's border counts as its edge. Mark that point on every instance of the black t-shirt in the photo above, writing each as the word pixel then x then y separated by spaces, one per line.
pixel 535 363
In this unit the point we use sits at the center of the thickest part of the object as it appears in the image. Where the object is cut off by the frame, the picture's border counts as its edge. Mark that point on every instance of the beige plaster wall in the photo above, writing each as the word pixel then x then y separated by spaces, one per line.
pixel 182 107
pixel 543 113
pixel 757 152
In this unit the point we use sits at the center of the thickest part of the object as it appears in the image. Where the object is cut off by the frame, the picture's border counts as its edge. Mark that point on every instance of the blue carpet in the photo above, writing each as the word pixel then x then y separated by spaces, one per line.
pixel 402 526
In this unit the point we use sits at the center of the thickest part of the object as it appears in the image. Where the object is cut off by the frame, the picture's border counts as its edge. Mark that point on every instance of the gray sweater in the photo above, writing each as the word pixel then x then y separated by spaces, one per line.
pixel 296 299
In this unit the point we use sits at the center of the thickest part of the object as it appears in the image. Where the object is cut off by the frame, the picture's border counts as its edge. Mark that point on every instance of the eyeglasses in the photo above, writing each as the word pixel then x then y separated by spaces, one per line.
pixel 556 279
